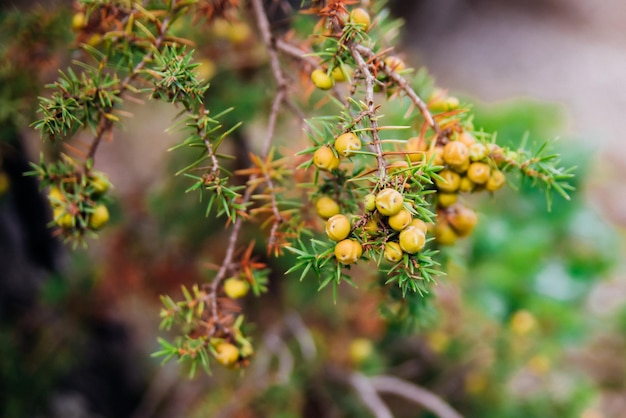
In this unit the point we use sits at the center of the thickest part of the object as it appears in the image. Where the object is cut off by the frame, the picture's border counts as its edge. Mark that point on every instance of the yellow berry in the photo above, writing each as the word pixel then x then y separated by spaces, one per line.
pixel 99 182
pixel 321 80
pixel 444 234
pixel 452 103
pixel 369 203
pixel 226 354
pixel 463 220
pixel 238 32
pixel 326 207
pixel 435 155
pixel 389 202
pixel 393 253
pixel 371 227
pixel 440 102
pixel 478 151
pixel 236 288
pixel 400 220
pixel 325 159
pixel 206 70
pixel 361 17
pixel 340 73
pixel 348 251
pixel 412 240
pixel 419 224
pixel 99 217
pixel 522 322
pixel 62 218
pixel 56 197
pixel 338 227
pixel 445 200
pixel 466 185
pixel 347 143
pixel 79 21
pixel 496 181
pixel 360 350
pixel 456 154
pixel 395 63
pixel 450 182
pixel 415 148
pixel 467 138
pixel 478 173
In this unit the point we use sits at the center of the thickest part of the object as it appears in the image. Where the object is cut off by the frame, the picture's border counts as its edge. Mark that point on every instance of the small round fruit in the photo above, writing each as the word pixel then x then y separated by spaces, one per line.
pixel 62 218
pixel 463 220
pixel 444 234
pixel 326 207
pixel 445 200
pixel 325 159
pixel 393 253
pixel 466 185
pixel 389 202
pixel 99 217
pixel 360 350
pixel 415 148
pixel 478 173
pixel 419 224
pixel 100 183
pixel 348 251
pixel 321 80
pixel 226 354
pixel 467 138
pixel 395 63
pixel 236 288
pixel 339 74
pixel 361 17
pixel 456 154
pixel 369 203
pixel 79 21
pixel 450 182
pixel 347 143
pixel 338 227
pixel 435 155
pixel 478 151
pixel 412 240
pixel 496 181
pixel 371 227
pixel 56 197
pixel 400 220
pixel 452 103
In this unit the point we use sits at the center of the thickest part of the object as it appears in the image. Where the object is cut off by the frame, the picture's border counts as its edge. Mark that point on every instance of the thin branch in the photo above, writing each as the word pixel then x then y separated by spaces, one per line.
pixel 414 393
pixel 366 391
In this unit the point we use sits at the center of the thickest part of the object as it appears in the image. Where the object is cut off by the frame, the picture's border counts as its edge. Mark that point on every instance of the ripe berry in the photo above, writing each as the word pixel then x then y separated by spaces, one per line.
pixel 456 154
pixel 360 350
pixel 478 151
pixel 478 173
pixel 389 202
pixel 226 354
pixel 412 240
pixel 369 203
pixel 338 227
pixel 450 182
pixel 415 148
pixel 395 63
pixel 62 218
pixel 496 181
pixel 326 207
pixel 346 143
pixel 99 217
pixel 445 200
pixel 340 73
pixel 400 220
pixel 444 234
pixel 321 80
pixel 236 288
pixel 419 224
pixel 79 21
pixel 348 251
pixel 56 197
pixel 393 252
pixel 466 138
pixel 325 159
pixel 371 227
pixel 463 220
pixel 361 17
pixel 99 182
pixel 435 155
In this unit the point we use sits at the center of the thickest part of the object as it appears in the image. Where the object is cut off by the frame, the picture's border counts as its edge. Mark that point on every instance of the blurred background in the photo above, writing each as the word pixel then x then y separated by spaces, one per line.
pixel 529 322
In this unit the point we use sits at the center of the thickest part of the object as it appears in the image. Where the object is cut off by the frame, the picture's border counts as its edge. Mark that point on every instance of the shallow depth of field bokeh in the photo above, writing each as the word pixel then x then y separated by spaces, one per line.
pixel 530 320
